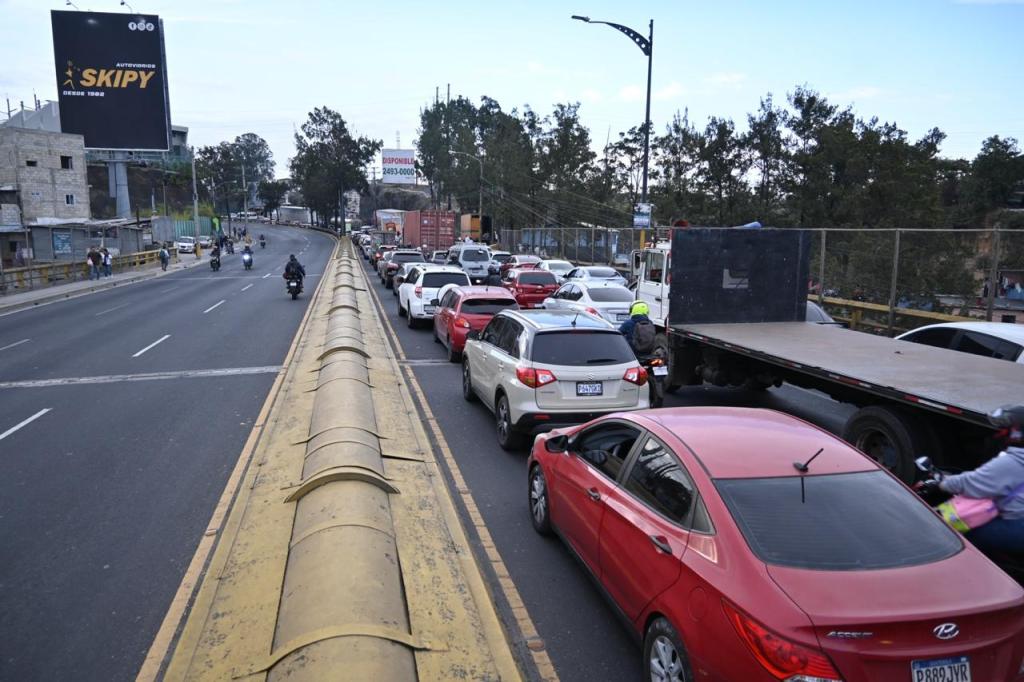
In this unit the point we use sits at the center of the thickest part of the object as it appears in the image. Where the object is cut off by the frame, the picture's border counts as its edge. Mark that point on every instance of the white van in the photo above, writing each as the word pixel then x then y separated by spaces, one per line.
pixel 472 258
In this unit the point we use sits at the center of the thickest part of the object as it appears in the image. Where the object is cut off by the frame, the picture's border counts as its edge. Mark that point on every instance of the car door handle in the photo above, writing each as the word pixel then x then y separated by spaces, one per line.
pixel 594 495
pixel 658 299
pixel 661 543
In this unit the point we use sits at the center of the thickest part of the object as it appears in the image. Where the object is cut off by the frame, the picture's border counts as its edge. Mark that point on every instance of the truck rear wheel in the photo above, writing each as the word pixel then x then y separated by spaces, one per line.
pixel 892 437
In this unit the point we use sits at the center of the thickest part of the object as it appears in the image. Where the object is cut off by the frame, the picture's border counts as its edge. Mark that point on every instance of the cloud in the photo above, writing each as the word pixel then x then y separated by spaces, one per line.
pixel 632 93
pixel 535 67
pixel 726 79
pixel 858 93
pixel 591 96
pixel 669 92
pixel 988 2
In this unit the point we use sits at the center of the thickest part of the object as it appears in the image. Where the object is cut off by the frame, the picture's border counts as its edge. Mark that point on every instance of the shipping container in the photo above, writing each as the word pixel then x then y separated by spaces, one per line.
pixel 436 229
pixel 389 220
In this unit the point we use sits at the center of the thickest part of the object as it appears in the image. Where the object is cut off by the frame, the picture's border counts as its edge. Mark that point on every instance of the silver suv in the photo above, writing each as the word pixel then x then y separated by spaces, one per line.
pixel 540 369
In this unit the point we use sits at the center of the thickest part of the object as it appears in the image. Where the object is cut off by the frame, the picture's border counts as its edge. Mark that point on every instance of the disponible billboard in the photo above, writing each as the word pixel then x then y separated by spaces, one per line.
pixel 112 79
pixel 399 166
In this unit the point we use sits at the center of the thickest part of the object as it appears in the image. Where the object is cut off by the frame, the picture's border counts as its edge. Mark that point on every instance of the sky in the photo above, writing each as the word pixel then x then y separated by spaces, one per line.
pixel 237 66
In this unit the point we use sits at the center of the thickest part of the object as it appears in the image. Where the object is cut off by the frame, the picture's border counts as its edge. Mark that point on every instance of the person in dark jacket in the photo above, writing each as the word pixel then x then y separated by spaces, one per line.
pixel 637 313
pixel 294 268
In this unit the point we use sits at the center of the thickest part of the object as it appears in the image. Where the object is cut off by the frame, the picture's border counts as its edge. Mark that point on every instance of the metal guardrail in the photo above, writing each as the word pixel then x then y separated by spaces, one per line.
pixel 865 316
pixel 54 274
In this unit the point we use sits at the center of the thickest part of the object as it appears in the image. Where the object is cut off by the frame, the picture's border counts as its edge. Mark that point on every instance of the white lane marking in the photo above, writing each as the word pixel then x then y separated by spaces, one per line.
pixel 16 343
pixel 158 341
pixel 247 286
pixel 164 291
pixel 220 302
pixel 110 310
pixel 31 419
pixel 147 376
pixel 266 275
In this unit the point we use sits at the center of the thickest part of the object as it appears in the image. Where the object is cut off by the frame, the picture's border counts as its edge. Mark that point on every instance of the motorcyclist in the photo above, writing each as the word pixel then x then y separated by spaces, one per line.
pixel 263 241
pixel 493 278
pixel 998 479
pixel 639 330
pixel 294 269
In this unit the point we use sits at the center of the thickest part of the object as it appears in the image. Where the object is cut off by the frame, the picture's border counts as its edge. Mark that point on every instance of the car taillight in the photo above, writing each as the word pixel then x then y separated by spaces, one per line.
pixel 418 291
pixel 593 311
pixel 462 322
pixel 534 378
pixel 635 375
pixel 782 658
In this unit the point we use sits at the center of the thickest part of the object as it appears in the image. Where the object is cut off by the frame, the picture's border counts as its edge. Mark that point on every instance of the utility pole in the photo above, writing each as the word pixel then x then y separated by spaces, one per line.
pixel 245 195
pixel 195 201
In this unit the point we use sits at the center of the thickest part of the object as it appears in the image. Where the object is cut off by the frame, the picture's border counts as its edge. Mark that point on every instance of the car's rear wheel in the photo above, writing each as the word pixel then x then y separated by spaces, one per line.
pixel 665 657
pixel 508 437
pixel 467 383
pixel 409 319
pixel 453 355
pixel 401 310
pixel 539 502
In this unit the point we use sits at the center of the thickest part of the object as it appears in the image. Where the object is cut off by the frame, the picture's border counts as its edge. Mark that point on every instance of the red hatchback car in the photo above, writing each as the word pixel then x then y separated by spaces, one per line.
pixel 737 558
pixel 523 261
pixel 465 309
pixel 530 287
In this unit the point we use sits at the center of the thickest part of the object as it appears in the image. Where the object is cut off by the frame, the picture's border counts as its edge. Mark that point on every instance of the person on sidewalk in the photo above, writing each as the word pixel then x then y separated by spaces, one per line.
pixel 165 257
pixel 108 263
pixel 95 259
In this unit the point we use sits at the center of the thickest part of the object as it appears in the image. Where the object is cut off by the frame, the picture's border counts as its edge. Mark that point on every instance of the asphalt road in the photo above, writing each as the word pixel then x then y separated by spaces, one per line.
pixel 584 637
pixel 108 477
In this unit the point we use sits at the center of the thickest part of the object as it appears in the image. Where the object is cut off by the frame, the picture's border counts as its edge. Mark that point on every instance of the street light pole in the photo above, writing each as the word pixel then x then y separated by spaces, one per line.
pixel 195 203
pixel 646 46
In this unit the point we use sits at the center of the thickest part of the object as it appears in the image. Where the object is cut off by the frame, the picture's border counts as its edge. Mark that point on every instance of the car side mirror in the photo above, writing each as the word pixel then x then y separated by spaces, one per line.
pixel 473 335
pixel 595 457
pixel 557 444
pixel 435 302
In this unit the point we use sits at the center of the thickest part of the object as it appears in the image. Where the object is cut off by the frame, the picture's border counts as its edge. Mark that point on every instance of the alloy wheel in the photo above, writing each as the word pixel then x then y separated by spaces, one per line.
pixel 538 498
pixel 666 665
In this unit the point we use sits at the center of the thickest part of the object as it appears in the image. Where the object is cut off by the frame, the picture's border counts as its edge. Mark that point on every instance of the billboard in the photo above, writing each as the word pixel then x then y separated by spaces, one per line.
pixel 112 79
pixel 399 166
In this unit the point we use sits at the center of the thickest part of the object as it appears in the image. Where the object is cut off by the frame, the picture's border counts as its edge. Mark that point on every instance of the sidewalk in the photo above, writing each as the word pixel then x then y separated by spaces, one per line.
pixel 28 298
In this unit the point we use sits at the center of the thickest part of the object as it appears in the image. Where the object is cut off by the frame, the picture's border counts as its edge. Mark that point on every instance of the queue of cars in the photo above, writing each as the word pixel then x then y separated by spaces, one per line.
pixel 732 549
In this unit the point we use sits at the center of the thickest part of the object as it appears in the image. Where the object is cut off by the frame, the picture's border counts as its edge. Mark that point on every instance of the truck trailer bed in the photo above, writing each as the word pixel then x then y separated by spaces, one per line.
pixel 959 384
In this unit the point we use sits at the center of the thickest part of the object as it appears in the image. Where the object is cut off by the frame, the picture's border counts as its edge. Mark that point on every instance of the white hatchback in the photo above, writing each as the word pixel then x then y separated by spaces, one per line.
pixel 418 292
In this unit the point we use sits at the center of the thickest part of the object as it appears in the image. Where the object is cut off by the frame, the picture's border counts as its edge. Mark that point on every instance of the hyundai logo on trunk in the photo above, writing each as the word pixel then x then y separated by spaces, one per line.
pixel 946 631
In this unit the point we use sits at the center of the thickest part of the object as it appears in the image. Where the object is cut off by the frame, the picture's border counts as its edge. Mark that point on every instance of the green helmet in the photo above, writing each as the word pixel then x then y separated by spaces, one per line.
pixel 639 308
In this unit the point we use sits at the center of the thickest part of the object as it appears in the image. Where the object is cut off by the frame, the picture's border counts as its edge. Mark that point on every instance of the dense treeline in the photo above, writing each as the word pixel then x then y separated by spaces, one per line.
pixel 808 163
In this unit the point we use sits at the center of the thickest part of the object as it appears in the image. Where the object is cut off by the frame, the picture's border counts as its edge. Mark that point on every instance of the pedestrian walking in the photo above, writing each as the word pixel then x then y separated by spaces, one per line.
pixel 108 263
pixel 95 259
pixel 165 257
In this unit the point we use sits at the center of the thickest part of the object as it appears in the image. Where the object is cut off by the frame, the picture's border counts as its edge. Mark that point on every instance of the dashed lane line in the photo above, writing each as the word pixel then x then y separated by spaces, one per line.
pixel 16 343
pixel 145 376
pixel 218 303
pixel 157 342
pixel 31 419
pixel 266 275
pixel 247 286
pixel 110 310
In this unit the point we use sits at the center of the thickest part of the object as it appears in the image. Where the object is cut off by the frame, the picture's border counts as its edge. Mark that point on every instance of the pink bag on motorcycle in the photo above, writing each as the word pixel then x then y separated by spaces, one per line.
pixel 964 513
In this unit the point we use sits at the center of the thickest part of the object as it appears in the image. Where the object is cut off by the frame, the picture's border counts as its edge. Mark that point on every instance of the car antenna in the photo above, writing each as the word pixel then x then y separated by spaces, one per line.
pixel 574 318
pixel 803 468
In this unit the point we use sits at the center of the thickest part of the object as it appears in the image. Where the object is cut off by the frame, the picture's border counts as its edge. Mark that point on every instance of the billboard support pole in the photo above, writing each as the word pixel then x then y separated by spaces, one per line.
pixel 195 201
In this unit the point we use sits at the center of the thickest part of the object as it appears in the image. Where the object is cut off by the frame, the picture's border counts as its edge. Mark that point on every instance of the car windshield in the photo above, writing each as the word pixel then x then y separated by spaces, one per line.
pixel 436 280
pixel 602 273
pixel 487 306
pixel 610 295
pixel 537 278
pixel 475 255
pixel 581 348
pixel 559 266
pixel 836 522
pixel 502 257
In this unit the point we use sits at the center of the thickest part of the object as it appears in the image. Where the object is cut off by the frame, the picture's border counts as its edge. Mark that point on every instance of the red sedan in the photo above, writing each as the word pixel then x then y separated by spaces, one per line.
pixel 464 309
pixel 530 287
pixel 523 261
pixel 746 544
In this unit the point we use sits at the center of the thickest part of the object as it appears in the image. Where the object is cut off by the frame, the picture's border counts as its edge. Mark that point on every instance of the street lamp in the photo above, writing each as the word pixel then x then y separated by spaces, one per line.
pixel 646 46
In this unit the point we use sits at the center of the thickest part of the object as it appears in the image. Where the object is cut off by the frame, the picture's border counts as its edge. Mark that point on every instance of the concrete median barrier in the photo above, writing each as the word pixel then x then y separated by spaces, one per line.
pixel 349 525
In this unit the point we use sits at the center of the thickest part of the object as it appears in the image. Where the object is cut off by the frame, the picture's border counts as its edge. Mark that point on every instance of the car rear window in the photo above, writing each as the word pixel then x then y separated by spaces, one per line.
pixel 502 257
pixel 559 266
pixel 436 280
pixel 838 522
pixel 611 295
pixel 407 258
pixel 537 278
pixel 528 259
pixel 487 306
pixel 581 348
pixel 475 255
pixel 602 272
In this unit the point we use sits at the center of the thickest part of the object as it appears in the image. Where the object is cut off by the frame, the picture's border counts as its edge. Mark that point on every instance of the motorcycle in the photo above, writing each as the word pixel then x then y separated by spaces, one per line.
pixel 263 244
pixel 927 488
pixel 657 374
pixel 215 263
pixel 294 285
pixel 247 260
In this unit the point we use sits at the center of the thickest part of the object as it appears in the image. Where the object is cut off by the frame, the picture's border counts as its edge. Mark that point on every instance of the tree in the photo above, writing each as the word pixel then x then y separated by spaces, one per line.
pixel 995 173
pixel 272 192
pixel 677 195
pixel 329 161
pixel 722 167
pixel 768 148
pixel 253 153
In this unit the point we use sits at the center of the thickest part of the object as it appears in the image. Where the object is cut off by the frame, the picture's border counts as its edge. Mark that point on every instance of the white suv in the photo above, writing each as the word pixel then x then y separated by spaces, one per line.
pixel 186 244
pixel 418 293
pixel 539 369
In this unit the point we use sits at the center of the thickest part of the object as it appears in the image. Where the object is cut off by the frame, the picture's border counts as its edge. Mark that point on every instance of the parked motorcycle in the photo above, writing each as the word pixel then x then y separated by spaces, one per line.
pixel 657 374
pixel 215 263
pixel 247 260
pixel 294 285
pixel 928 490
